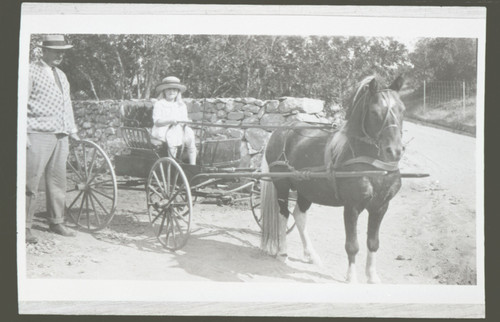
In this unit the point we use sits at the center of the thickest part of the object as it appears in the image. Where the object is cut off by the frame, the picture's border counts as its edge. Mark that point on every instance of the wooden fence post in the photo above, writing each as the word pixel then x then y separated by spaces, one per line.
pixel 463 98
pixel 424 96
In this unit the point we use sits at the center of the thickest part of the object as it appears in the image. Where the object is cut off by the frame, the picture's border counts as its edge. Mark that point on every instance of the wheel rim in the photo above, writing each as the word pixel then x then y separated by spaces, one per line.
pixel 255 207
pixel 91 191
pixel 169 203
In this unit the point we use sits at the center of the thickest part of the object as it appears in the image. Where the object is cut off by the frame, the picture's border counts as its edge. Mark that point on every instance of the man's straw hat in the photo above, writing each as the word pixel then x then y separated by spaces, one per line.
pixel 54 42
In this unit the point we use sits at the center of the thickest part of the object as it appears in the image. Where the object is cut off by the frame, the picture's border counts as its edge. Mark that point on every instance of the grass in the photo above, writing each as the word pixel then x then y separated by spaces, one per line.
pixel 451 114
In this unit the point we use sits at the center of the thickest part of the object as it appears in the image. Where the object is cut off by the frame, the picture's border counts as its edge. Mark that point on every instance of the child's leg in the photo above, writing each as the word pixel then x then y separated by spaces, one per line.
pixel 189 142
pixel 172 152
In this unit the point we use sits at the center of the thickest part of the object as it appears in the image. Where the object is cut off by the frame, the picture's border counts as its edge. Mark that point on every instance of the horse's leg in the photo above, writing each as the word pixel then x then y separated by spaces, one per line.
pixel 374 220
pixel 300 216
pixel 351 243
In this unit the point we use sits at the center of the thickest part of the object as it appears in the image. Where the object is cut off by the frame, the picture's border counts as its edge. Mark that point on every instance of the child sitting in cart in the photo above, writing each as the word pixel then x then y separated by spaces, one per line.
pixel 167 112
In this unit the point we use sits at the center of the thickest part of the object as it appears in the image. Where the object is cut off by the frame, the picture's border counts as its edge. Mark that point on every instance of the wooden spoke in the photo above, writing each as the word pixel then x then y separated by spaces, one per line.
pixel 78 162
pixel 173 200
pixel 93 207
pixel 178 224
pixel 81 208
pixel 75 200
pixel 161 212
pixel 92 162
pixel 101 193
pixel 75 171
pixel 163 224
pixel 159 185
pixel 164 180
pixel 155 192
pixel 92 179
pixel 101 205
pixel 87 210
pixel 85 162
pixel 169 177
pixel 109 181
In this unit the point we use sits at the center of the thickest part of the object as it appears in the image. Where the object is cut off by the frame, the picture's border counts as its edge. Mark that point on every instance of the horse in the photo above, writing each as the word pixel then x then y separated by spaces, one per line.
pixel 369 139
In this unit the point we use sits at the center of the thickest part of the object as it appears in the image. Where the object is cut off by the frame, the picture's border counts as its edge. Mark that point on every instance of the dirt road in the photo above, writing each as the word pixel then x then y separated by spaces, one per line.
pixel 427 237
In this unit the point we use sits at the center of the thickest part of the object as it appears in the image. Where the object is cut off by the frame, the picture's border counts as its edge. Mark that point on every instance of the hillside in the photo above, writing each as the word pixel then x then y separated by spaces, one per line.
pixel 451 114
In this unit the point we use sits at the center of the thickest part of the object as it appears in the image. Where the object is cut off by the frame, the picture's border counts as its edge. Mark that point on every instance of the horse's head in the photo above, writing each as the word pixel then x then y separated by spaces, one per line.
pixel 376 117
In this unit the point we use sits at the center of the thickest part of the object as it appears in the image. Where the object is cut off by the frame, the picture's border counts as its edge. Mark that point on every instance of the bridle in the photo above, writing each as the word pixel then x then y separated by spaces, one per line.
pixel 375 140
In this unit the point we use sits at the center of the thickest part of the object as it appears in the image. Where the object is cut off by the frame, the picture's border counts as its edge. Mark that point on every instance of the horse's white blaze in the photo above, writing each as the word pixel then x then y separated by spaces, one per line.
pixel 371 268
pixel 387 100
pixel 391 101
pixel 385 103
pixel 309 252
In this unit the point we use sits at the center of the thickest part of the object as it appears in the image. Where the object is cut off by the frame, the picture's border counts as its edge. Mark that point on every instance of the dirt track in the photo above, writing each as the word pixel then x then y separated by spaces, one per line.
pixel 427 237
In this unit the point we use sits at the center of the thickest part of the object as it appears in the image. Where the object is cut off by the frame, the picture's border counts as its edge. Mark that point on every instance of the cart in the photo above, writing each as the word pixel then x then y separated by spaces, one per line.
pixel 171 186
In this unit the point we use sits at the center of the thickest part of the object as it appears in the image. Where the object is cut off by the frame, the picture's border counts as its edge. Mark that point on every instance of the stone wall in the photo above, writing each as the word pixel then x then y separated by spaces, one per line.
pixel 100 121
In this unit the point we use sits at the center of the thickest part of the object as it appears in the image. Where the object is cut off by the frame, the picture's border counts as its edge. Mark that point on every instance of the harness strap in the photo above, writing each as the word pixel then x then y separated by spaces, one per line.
pixel 388 166
pixel 282 159
pixel 284 163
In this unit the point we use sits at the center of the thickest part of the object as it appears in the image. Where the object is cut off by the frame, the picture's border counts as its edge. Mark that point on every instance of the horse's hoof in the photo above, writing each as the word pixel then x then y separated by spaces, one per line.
pixel 313 259
pixel 317 261
pixel 351 280
pixel 282 257
pixel 374 280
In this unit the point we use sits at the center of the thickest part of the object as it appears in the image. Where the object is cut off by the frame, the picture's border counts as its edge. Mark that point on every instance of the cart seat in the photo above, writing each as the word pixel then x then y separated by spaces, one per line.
pixel 139 139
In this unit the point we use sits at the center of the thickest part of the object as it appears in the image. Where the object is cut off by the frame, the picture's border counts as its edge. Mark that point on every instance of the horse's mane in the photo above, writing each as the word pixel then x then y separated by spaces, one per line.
pixel 338 146
pixel 360 89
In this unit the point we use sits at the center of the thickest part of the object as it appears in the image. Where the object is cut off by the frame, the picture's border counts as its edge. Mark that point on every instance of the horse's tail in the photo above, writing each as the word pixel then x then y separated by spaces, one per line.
pixel 270 213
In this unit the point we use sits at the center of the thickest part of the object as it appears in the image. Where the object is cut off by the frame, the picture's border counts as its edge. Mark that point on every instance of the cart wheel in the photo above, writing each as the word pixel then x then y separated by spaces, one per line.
pixel 169 203
pixel 255 206
pixel 92 191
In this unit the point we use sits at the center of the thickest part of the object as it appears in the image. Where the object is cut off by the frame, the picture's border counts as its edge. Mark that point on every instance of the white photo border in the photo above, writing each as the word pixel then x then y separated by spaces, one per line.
pixel 399 22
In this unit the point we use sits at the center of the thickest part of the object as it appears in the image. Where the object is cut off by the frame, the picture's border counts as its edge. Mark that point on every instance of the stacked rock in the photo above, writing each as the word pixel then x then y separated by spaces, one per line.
pixel 101 120
pixel 250 111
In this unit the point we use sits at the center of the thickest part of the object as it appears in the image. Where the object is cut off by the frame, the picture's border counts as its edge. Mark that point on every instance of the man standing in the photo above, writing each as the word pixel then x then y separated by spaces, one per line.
pixel 50 123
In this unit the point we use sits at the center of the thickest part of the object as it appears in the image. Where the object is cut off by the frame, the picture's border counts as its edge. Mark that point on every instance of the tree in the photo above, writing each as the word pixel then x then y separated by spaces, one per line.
pixel 445 59
pixel 266 67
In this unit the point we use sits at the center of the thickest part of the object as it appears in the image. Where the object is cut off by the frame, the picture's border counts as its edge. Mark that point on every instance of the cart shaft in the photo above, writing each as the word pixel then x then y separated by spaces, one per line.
pixel 304 175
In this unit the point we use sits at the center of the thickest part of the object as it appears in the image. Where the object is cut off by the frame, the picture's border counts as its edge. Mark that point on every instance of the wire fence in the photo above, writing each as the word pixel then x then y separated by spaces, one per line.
pixel 432 94
pixel 436 93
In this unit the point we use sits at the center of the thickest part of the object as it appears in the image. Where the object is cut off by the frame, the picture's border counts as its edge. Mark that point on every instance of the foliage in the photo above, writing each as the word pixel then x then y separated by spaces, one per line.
pixel 445 59
pixel 104 66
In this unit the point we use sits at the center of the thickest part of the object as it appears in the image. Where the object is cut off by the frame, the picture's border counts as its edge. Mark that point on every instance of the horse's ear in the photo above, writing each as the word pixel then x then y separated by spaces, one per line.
pixel 374 86
pixel 397 84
